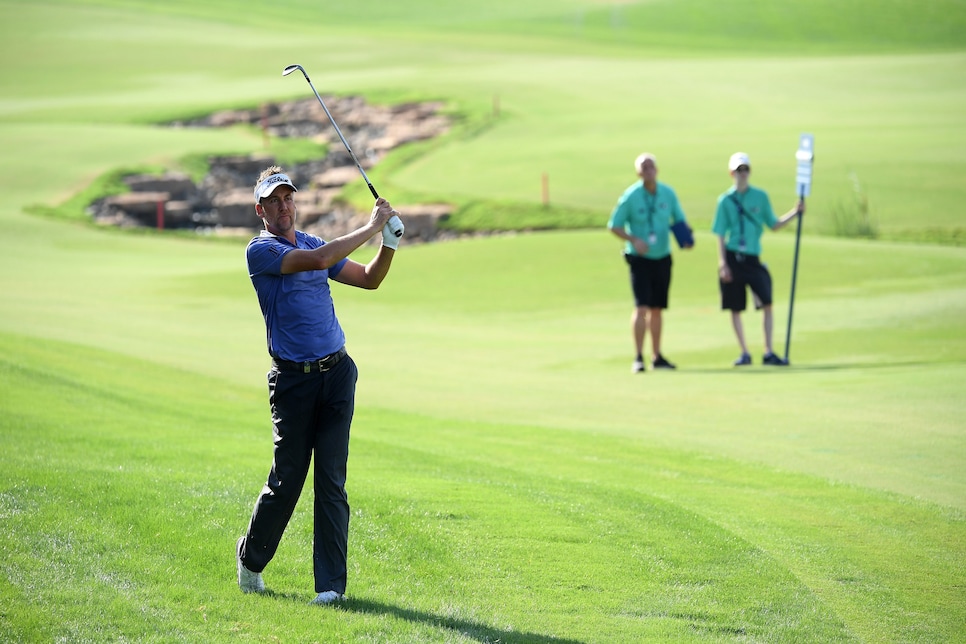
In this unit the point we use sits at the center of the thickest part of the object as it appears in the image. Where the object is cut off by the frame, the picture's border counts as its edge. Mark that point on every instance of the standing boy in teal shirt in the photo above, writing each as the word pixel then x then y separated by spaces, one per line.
pixel 742 214
pixel 642 218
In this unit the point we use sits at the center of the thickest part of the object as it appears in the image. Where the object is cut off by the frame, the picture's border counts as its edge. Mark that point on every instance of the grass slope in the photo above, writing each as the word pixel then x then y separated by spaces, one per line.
pixel 889 123
pixel 133 509
pixel 704 25
pixel 510 480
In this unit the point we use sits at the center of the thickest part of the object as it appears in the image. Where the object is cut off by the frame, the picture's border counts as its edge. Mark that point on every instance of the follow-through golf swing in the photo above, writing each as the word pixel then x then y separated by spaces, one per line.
pixel 312 380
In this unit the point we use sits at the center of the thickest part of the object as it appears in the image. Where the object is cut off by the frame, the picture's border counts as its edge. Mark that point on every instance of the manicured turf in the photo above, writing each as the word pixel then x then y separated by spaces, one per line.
pixel 510 479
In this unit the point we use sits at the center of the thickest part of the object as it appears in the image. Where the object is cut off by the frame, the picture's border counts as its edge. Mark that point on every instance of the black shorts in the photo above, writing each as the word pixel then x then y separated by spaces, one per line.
pixel 746 271
pixel 650 280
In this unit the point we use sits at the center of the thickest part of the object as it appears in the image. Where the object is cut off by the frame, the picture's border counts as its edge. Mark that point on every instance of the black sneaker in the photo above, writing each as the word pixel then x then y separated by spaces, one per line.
pixel 743 360
pixel 661 363
pixel 772 359
pixel 638 366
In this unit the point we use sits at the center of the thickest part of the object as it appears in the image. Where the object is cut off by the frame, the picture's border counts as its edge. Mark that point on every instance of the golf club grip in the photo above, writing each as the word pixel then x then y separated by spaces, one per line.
pixel 372 190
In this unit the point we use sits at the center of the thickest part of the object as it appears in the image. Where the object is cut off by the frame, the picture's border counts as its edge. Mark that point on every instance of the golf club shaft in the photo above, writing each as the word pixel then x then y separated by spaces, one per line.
pixel 288 70
pixel 395 224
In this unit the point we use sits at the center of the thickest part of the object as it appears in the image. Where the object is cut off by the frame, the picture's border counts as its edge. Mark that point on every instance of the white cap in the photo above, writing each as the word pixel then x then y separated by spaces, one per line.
pixel 642 158
pixel 738 159
pixel 271 182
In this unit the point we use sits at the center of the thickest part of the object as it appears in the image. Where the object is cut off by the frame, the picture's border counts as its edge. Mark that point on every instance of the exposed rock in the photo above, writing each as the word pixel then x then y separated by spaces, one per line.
pixel 236 208
pixel 177 185
pixel 139 207
pixel 422 220
pixel 336 177
pixel 223 202
pixel 179 214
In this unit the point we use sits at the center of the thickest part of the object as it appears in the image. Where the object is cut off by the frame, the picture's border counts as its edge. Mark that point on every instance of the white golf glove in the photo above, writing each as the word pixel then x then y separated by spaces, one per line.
pixel 392 232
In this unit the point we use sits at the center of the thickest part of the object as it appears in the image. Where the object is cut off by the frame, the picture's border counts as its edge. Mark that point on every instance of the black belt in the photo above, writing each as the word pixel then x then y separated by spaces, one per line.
pixel 741 257
pixel 310 366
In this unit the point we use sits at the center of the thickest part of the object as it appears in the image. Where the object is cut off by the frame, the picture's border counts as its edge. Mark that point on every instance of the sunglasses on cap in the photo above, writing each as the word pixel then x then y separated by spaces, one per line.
pixel 743 168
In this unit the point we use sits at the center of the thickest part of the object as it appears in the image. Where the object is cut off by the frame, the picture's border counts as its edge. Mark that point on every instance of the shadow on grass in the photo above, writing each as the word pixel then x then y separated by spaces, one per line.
pixel 467 628
pixel 828 366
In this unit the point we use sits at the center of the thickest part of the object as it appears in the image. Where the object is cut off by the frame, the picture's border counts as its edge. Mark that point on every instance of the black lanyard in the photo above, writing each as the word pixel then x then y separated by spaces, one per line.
pixel 741 219
pixel 650 205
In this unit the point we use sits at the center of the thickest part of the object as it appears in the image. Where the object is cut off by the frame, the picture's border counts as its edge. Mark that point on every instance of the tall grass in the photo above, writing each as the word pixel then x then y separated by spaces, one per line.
pixel 851 217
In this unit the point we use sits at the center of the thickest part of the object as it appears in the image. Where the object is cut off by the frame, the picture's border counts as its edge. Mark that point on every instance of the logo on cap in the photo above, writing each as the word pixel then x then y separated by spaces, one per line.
pixel 265 187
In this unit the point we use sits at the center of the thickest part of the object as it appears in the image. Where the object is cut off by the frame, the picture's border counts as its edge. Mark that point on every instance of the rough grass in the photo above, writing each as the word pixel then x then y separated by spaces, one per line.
pixel 510 480
pixel 462 531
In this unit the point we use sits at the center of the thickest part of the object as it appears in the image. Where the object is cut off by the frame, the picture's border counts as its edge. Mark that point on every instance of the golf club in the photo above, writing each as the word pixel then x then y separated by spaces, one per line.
pixel 395 225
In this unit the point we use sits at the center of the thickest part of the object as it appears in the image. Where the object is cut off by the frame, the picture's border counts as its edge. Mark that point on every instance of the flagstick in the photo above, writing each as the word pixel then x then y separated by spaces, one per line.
pixel 791 300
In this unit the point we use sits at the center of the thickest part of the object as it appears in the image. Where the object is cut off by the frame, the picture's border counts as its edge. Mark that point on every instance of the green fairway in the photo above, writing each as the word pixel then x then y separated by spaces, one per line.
pixel 510 479
pixel 892 122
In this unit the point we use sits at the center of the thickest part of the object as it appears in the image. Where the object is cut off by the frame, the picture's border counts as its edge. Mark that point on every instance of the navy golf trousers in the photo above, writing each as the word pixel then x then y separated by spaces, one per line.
pixel 311 412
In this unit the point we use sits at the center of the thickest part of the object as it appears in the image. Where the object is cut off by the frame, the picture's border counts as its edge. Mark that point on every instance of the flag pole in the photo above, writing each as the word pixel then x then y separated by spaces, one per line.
pixel 804 158
pixel 791 299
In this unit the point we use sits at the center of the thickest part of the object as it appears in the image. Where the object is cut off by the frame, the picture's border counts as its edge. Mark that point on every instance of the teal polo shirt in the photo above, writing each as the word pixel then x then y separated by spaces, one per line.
pixel 642 215
pixel 745 223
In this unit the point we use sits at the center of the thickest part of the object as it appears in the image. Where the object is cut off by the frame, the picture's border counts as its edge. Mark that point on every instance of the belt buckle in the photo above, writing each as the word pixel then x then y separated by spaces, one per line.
pixel 325 363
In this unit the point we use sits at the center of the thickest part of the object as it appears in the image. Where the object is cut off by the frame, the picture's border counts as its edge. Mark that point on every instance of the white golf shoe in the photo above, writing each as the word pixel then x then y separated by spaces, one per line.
pixel 327 597
pixel 248 581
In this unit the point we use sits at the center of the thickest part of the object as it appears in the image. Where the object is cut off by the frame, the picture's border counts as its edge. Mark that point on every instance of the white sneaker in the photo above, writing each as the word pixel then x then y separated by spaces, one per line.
pixel 328 597
pixel 248 581
pixel 637 367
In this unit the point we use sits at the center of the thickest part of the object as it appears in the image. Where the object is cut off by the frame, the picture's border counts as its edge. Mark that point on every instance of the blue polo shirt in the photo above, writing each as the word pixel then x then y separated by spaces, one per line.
pixel 299 314
pixel 741 218
pixel 642 214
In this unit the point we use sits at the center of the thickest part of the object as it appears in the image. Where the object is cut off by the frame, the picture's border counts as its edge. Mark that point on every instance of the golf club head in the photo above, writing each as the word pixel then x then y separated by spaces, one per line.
pixel 291 68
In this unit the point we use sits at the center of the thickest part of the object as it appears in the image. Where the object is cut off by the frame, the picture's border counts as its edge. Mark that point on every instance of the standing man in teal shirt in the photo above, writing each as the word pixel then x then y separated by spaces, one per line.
pixel 642 218
pixel 742 214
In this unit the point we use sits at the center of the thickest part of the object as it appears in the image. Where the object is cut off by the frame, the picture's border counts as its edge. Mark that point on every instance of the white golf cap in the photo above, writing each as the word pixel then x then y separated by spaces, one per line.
pixel 268 186
pixel 737 160
pixel 642 158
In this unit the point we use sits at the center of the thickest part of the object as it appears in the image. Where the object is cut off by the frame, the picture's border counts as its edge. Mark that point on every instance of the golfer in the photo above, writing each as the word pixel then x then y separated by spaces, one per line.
pixel 642 218
pixel 743 212
pixel 311 385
